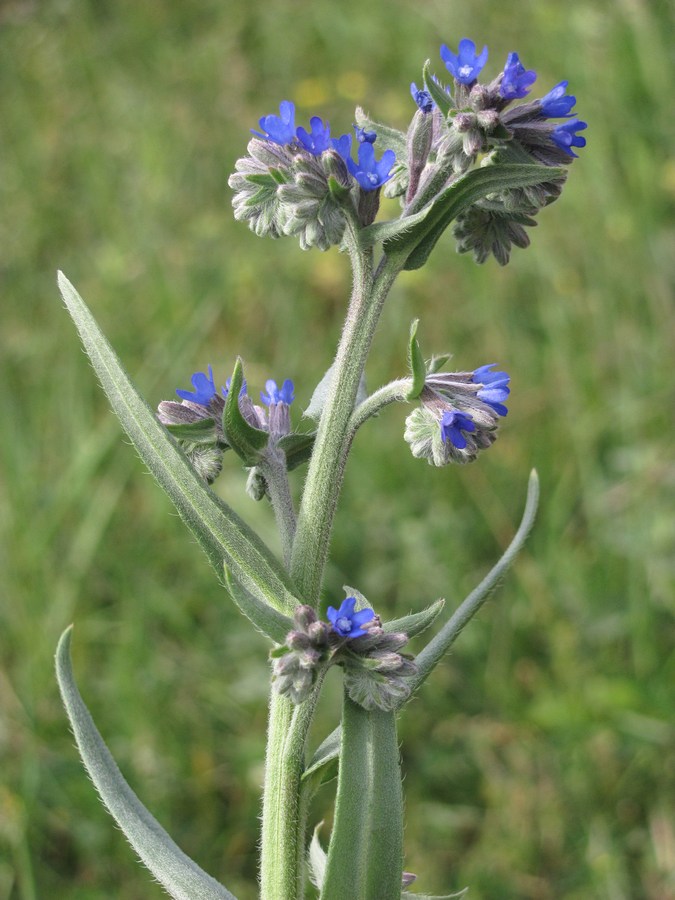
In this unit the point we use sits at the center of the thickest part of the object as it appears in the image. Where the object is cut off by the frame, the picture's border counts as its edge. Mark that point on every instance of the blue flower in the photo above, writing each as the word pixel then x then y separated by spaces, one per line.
pixel 343 145
pixel 346 622
pixel 318 140
pixel 279 129
pixel 465 66
pixel 565 137
pixel 204 389
pixel 369 173
pixel 453 423
pixel 495 387
pixel 517 80
pixel 557 104
pixel 422 98
pixel 365 137
pixel 278 395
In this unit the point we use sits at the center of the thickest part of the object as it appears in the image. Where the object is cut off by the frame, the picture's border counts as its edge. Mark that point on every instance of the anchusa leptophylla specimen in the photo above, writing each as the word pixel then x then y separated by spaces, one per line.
pixel 481 159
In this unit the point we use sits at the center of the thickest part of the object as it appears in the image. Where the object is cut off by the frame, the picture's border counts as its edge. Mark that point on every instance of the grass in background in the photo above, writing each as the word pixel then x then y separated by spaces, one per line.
pixel 540 758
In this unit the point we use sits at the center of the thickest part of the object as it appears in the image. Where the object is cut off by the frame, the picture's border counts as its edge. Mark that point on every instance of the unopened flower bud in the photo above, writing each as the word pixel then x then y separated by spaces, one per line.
pixel 420 137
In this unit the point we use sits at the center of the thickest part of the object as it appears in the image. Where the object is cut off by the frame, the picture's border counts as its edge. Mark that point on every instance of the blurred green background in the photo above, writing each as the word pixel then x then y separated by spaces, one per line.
pixel 540 758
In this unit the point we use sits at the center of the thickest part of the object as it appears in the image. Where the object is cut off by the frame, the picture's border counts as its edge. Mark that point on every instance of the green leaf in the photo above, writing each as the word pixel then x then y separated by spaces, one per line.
pixel 436 363
pixel 416 363
pixel 419 241
pixel 316 859
pixel 201 432
pixel 415 623
pixel 365 856
pixel 391 230
pixel 322 390
pixel 408 895
pixel 246 440
pixel 326 753
pixel 387 138
pixel 265 617
pixel 297 447
pixel 223 535
pixel 439 645
pixel 438 94
pixel 179 875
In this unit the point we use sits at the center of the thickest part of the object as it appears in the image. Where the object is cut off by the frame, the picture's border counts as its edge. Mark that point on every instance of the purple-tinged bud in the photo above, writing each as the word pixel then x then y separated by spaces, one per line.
pixel 419 139
pixel 422 98
pixel 557 104
pixel 305 616
pixel 516 82
pixel 363 136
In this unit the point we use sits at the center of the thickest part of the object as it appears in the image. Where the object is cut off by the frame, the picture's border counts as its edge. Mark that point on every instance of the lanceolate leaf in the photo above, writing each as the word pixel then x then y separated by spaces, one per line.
pixel 418 241
pixel 181 877
pixel 365 856
pixel 297 447
pixel 387 138
pixel 408 895
pixel 328 751
pixel 246 440
pixel 415 623
pixel 266 618
pixel 221 532
pixel 438 94
pixel 418 368
pixel 201 432
pixel 439 645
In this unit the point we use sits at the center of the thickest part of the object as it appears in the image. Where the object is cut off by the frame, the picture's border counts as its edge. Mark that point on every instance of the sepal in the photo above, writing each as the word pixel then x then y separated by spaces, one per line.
pixel 246 440
pixel 179 875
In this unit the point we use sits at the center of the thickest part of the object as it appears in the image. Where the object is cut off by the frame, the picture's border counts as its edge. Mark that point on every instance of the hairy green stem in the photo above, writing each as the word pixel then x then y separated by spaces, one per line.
pixel 284 810
pixel 326 467
pixel 394 392
pixel 273 468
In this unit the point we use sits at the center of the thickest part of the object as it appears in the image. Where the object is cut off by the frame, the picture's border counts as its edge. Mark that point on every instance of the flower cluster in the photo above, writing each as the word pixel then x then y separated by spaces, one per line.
pixel 375 672
pixel 198 420
pixel 303 182
pixel 458 416
pixel 471 122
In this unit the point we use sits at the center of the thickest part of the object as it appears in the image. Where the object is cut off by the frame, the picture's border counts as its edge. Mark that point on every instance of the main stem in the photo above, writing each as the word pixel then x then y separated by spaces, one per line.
pixel 326 467
pixel 283 829
pixel 283 825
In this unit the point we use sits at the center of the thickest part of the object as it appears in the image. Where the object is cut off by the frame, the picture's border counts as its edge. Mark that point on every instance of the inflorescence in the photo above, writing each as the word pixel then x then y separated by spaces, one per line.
pixel 376 672
pixel 198 420
pixel 458 416
pixel 304 182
